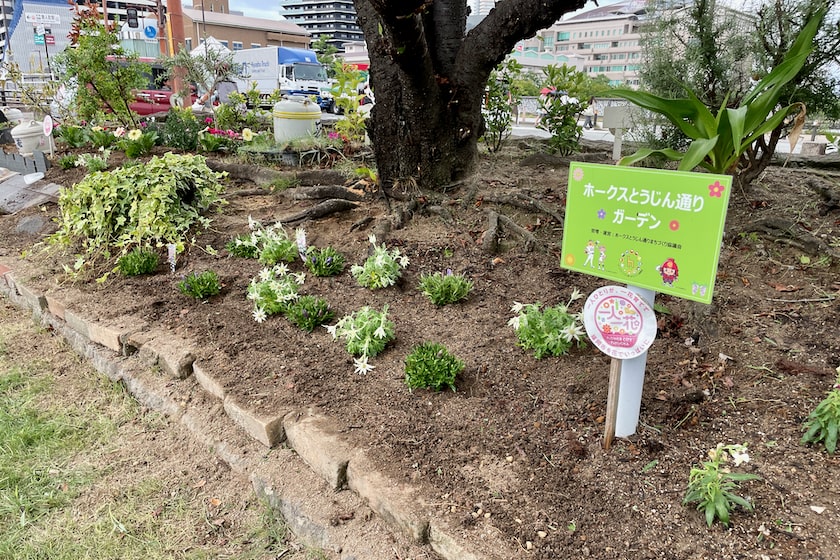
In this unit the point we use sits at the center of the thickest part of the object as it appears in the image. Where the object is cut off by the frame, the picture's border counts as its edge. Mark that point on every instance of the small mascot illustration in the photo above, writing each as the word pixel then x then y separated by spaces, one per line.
pixel 602 256
pixel 669 271
pixel 590 254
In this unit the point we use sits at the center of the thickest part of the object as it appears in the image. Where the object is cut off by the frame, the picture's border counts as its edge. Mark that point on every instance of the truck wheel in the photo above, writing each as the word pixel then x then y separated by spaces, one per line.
pixel 334 108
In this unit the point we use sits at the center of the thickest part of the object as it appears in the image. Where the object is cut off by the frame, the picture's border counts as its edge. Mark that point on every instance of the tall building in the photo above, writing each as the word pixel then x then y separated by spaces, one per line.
pixel 484 6
pixel 333 18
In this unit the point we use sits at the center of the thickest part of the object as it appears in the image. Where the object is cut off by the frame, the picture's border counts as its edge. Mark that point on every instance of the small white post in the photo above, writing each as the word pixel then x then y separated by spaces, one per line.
pixel 632 382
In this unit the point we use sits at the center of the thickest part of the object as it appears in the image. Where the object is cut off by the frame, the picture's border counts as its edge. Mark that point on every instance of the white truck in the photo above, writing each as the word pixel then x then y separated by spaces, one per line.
pixel 292 71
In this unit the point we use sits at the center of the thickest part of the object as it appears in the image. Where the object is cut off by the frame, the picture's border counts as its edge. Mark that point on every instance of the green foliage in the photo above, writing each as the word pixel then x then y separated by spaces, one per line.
pixel 719 140
pixel 137 143
pixel 200 286
pixel 380 270
pixel 67 161
pixel 105 75
pixel 206 70
pixel 430 365
pixel 140 260
pixel 140 205
pixel 73 136
pixel 712 485
pixel 307 312
pixel 94 162
pixel 824 421
pixel 181 129
pixel 497 109
pixel 273 291
pixel 347 98
pixel 241 246
pixel 443 289
pixel 101 137
pixel 324 262
pixel 277 248
pixel 325 51
pixel 366 331
pixel 550 332
pixel 560 118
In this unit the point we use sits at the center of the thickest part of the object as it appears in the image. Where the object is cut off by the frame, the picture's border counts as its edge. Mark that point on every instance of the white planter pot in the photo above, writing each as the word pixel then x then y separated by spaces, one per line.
pixel 29 136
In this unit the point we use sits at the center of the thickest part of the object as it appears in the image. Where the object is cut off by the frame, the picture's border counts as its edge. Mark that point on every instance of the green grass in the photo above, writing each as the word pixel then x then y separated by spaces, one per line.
pixel 65 494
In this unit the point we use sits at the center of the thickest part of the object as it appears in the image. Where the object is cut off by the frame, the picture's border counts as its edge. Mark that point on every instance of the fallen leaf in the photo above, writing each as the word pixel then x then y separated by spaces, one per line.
pixel 745 281
pixel 215 502
pixel 498 260
pixel 785 288
pixel 817 509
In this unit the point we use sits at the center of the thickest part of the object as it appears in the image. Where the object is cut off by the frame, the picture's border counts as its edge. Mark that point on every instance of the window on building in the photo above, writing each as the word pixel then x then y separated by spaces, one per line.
pixel 255 45
pixel 188 43
pixel 225 43
pixel 237 45
pixel 562 35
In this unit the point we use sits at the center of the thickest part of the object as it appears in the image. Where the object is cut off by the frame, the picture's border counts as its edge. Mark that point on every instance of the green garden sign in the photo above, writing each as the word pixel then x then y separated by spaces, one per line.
pixel 658 230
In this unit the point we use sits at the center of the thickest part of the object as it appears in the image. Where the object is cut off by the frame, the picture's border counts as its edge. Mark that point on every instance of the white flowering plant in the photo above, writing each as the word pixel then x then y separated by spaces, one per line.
pixel 548 332
pixel 274 291
pixel 382 269
pixel 136 143
pixel 366 332
pixel 270 244
pixel 823 422
pixel 712 485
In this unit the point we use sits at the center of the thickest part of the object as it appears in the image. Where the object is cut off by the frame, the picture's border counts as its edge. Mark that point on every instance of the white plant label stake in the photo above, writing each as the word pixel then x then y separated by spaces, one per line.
pixel 171 252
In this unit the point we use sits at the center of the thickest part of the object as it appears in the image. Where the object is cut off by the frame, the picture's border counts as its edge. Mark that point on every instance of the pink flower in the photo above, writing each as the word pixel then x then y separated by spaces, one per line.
pixel 119 132
pixel 577 174
pixel 332 135
pixel 675 224
pixel 208 120
pixel 716 189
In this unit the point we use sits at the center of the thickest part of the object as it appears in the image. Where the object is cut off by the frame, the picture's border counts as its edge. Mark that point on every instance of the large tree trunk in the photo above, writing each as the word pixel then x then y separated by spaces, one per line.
pixel 429 78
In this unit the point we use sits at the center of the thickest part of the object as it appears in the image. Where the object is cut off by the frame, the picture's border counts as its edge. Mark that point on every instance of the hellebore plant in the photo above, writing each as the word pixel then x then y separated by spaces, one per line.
pixel 382 269
pixel 366 332
pixel 712 485
pixel 551 331
pixel 823 423
pixel 719 140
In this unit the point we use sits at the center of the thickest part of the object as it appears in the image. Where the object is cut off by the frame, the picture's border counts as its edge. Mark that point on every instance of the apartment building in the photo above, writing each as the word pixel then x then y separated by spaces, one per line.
pixel 333 18
pixel 604 40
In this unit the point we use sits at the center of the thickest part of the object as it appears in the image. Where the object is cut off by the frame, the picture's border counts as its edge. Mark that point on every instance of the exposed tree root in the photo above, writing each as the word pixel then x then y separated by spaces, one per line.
pixel 320 210
pixel 322 192
pixel 830 196
pixel 785 231
pixel 525 202
pixel 495 221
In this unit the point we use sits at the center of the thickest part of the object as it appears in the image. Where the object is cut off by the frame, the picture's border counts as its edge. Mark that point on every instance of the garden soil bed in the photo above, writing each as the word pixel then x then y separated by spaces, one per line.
pixel 518 448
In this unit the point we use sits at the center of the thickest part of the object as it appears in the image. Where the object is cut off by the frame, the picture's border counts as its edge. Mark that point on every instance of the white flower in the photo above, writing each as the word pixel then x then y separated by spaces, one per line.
pixel 259 314
pixel 362 365
pixel 739 455
pixel 514 322
pixel 252 223
pixel 331 330
pixel 247 134
pixel 281 269
pixel 380 332
pixel 516 307
pixel 372 239
pixel 300 239
pixel 576 295
pixel 265 275
pixel 299 277
pixel 572 332
pixel 135 134
pixel 404 261
pixel 119 132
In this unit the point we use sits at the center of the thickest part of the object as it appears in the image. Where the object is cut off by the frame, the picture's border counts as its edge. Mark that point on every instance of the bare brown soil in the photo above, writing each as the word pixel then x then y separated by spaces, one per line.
pixel 518 447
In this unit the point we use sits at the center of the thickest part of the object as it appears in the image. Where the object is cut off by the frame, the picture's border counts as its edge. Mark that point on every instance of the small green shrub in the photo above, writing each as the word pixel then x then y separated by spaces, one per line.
pixel 181 129
pixel 101 138
pixel 274 291
pixel 324 262
pixel 823 422
pixel 548 332
pixel 713 485
pixel 443 289
pixel 241 246
pixel 67 161
pixel 430 365
pixel 200 286
pixel 73 136
pixel 138 261
pixel 366 331
pixel 94 162
pixel 137 143
pixel 278 249
pixel 307 312
pixel 380 270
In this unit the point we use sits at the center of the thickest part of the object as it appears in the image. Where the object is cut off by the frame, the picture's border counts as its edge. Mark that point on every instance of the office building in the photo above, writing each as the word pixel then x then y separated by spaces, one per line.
pixel 333 18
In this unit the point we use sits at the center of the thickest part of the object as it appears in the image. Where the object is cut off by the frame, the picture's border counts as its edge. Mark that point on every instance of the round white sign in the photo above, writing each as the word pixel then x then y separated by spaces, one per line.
pixel 619 322
pixel 48 125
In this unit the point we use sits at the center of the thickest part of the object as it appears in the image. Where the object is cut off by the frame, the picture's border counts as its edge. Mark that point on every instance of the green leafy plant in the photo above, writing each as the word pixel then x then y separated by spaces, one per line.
pixel 366 333
pixel 719 140
pixel 181 129
pixel 443 289
pixel 276 247
pixel 380 270
pixel 101 137
pixel 551 331
pixel 140 205
pixel 431 365
pixel 823 422
pixel 241 246
pixel 94 162
pixel 200 286
pixel 712 485
pixel 73 136
pixel 502 94
pixel 140 260
pixel 324 262
pixel 348 99
pixel 136 143
pixel 561 120
pixel 307 312
pixel 274 291
pixel 67 161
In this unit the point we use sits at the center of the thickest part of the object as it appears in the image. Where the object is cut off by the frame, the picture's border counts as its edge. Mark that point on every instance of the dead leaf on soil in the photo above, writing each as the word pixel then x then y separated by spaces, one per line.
pixel 215 502
pixel 784 288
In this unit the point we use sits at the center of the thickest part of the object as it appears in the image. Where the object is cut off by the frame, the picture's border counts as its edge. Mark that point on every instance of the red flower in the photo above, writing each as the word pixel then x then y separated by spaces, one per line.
pixel 716 189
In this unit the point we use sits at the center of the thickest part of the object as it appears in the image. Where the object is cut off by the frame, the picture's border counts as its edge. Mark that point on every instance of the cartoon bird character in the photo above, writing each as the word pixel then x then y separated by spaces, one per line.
pixel 669 271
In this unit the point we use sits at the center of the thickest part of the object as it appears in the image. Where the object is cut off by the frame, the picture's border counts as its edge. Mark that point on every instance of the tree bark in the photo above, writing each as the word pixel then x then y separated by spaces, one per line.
pixel 429 77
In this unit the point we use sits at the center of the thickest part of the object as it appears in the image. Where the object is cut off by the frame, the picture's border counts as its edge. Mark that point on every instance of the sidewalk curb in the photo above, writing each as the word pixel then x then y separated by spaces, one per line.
pixel 163 374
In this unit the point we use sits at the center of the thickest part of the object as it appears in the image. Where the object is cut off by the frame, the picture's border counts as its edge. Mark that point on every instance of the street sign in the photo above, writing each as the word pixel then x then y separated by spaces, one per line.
pixel 49 39
pixel 150 31
pixel 658 230
pixel 39 39
pixel 42 18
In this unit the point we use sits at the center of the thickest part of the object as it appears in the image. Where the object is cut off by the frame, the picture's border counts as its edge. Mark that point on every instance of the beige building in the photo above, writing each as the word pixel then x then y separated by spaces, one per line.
pixel 236 31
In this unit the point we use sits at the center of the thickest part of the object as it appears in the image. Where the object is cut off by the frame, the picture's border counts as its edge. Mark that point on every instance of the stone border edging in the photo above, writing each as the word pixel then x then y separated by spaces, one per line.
pixel 129 350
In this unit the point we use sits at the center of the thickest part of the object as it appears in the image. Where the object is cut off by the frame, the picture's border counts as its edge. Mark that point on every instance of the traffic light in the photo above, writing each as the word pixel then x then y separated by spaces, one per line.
pixel 131 15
